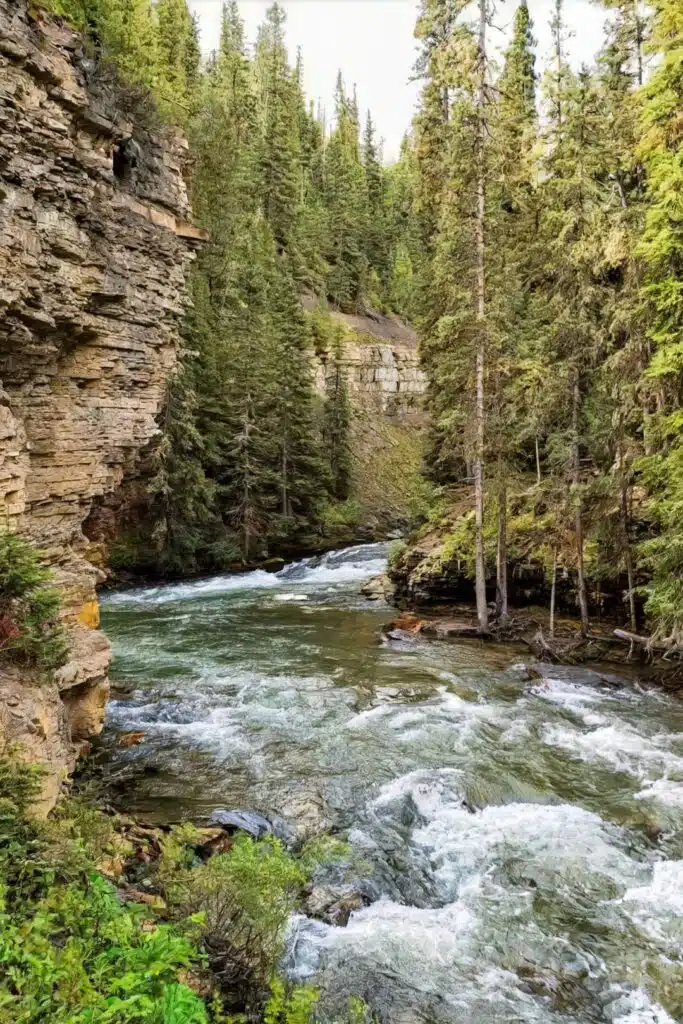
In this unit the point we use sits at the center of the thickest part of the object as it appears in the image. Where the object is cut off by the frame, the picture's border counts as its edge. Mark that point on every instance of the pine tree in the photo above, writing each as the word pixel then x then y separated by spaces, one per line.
pixel 178 57
pixel 376 250
pixel 345 199
pixel 232 30
pixel 661 149
pixel 280 170
pixel 337 419
pixel 126 31
pixel 512 140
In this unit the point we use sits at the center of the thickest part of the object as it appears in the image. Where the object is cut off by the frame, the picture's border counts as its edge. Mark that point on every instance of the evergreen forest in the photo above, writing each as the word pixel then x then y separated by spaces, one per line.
pixel 531 229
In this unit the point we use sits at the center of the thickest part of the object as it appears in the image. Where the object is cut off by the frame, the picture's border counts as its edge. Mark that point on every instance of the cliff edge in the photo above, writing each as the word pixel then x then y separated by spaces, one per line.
pixel 94 243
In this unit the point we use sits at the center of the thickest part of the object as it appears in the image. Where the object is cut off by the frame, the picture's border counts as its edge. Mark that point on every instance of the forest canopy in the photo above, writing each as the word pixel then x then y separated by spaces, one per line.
pixel 532 229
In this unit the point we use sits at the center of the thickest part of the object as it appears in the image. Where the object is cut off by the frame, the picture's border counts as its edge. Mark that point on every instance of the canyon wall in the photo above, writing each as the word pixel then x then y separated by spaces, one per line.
pixel 386 390
pixel 94 243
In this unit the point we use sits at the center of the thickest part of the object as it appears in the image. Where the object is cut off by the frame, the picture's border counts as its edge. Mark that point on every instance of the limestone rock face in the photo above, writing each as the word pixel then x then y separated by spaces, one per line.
pixel 382 365
pixel 94 243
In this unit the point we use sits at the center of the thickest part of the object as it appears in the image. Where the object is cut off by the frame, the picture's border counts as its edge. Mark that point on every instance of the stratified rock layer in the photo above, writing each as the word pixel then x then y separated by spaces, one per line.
pixel 94 242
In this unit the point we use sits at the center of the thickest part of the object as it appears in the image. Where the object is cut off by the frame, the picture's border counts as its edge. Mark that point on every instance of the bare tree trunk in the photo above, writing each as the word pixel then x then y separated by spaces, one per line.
pixel 538 461
pixel 578 520
pixel 553 591
pixel 478 467
pixel 285 490
pixel 639 42
pixel 628 554
pixel 246 487
pixel 502 558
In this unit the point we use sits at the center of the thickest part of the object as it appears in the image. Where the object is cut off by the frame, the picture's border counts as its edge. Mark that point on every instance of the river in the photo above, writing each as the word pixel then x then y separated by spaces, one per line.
pixel 523 835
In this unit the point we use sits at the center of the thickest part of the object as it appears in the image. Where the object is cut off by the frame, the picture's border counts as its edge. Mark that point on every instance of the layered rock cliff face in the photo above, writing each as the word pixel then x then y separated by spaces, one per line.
pixel 383 367
pixel 386 389
pixel 94 242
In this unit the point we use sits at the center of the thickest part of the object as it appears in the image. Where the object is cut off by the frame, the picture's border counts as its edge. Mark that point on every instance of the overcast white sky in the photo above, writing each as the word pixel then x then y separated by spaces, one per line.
pixel 372 42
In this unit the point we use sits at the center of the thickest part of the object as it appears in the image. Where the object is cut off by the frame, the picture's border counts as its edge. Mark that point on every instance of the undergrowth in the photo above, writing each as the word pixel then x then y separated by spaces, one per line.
pixel 77 949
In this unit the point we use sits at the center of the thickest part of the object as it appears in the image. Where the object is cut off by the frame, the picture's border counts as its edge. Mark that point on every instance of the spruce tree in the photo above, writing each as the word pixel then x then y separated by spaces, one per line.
pixel 661 149
pixel 376 237
pixel 178 57
pixel 280 171
pixel 346 203
pixel 337 419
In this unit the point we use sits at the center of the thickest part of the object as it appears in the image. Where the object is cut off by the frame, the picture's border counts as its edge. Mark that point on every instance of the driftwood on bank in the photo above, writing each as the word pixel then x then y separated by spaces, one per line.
pixel 668 648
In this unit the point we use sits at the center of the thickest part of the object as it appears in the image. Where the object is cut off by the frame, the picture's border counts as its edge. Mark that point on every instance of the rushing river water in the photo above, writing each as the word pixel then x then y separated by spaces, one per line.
pixel 524 836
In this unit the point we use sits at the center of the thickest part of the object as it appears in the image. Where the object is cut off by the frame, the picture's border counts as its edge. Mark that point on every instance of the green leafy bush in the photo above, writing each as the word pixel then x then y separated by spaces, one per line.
pixel 397 549
pixel 242 900
pixel 30 628
pixel 290 1005
pixel 70 951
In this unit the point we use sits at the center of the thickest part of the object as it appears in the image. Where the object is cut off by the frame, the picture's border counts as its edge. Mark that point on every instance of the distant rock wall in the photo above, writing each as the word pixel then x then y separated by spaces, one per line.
pixel 94 242
pixel 382 366
pixel 386 387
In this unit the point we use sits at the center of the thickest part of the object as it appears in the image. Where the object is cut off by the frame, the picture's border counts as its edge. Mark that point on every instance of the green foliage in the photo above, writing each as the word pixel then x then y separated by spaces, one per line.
pixel 580 327
pixel 69 950
pixel 30 628
pixel 241 902
pixel 337 419
pixel 72 951
pixel 290 1005
pixel 397 549
pixel 81 955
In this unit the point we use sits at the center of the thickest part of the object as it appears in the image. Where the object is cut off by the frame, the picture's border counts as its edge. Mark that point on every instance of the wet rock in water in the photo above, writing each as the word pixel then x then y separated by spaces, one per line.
pixel 273 564
pixel 378 588
pixel 254 824
pixel 406 623
pixel 335 904
pixel 131 739
pixel 547 673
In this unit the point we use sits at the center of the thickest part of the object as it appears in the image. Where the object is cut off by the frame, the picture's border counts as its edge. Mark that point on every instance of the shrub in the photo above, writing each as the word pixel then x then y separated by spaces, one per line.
pixel 290 1005
pixel 30 628
pixel 242 900
pixel 397 549
pixel 70 952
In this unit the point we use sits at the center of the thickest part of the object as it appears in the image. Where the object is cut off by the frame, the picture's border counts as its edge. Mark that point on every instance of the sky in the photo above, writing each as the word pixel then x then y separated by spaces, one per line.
pixel 372 42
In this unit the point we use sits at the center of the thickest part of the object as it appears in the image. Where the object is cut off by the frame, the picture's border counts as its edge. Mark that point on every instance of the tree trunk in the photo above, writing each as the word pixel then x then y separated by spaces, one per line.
pixel 478 466
pixel 553 591
pixel 578 519
pixel 538 461
pixel 285 490
pixel 502 558
pixel 628 554
pixel 246 486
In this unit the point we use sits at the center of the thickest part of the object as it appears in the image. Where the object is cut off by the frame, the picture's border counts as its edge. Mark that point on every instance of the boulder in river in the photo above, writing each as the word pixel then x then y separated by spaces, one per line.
pixel 335 903
pixel 378 588
pixel 273 564
pixel 251 822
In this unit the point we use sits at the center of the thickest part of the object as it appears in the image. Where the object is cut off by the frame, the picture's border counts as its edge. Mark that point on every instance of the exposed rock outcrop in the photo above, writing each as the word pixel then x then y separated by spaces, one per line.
pixel 94 242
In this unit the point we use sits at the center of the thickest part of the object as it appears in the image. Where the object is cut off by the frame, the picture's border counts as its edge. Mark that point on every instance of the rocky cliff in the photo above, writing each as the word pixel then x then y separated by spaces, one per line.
pixel 94 242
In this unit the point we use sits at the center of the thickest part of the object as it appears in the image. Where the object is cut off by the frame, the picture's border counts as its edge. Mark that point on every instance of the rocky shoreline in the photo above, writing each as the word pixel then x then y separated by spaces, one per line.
pixel 528 627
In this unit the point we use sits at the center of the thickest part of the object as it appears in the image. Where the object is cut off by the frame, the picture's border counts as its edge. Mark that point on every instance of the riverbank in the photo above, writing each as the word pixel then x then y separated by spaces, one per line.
pixel 605 644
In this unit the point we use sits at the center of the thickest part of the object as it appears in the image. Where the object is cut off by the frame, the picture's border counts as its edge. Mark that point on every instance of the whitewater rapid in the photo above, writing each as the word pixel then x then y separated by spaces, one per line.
pixel 522 838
